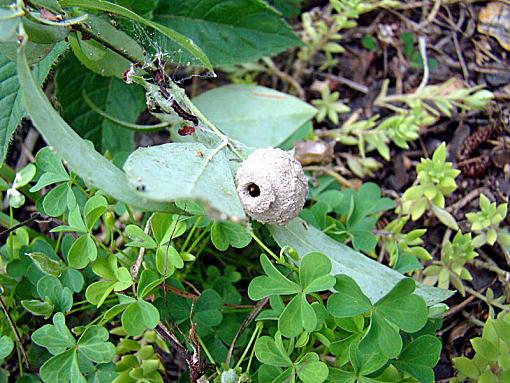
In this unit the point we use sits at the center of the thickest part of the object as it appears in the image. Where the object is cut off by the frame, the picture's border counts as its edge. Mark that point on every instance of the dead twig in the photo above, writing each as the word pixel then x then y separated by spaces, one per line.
pixel 253 314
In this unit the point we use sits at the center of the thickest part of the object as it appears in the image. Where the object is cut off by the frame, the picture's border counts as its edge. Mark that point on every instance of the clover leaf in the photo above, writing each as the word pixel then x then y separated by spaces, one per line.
pixel 225 234
pixel 53 170
pixel 70 357
pixel 272 352
pixel 400 309
pixel 420 357
pixel 6 346
pixel 115 279
pixel 298 315
pixel 53 297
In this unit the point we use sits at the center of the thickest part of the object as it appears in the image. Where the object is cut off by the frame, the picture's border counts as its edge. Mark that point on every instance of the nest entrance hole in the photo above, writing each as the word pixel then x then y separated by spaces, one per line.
pixel 253 190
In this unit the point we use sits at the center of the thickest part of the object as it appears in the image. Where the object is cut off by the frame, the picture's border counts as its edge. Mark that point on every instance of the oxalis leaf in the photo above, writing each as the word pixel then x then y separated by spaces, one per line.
pixel 11 107
pixel 230 32
pixel 83 159
pixel 63 367
pixel 254 115
pixel 374 279
pixel 169 172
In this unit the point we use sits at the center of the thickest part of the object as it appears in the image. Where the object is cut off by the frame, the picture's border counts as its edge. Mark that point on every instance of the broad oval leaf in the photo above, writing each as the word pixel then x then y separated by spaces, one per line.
pixel 254 115
pixel 229 32
pixel 169 172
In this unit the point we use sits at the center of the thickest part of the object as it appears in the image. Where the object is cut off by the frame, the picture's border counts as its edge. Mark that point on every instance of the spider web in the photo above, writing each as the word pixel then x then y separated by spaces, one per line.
pixel 178 63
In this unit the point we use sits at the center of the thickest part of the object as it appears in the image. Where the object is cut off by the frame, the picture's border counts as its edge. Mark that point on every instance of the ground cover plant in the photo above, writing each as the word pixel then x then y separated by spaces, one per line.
pixel 128 252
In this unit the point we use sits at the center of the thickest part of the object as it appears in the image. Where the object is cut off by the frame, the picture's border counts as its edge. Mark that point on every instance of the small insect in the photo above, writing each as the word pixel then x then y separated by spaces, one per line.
pixel 140 188
pixel 200 154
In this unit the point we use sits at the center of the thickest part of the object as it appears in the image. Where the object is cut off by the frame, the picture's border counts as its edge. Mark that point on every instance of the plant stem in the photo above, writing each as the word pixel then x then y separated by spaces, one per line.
pixel 190 234
pixel 264 247
pixel 14 330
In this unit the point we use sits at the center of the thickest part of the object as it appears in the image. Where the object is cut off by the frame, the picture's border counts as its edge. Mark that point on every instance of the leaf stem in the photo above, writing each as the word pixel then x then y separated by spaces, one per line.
pixel 265 248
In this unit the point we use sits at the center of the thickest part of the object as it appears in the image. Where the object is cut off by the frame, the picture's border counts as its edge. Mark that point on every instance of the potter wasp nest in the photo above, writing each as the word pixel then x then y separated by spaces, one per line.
pixel 272 186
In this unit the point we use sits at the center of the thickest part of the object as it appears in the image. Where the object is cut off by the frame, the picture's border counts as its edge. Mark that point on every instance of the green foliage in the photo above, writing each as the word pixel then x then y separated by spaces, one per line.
pixel 491 362
pixel 132 247
pixel 139 363
pixel 356 214
pixel 329 106
pixel 72 359
pixel 404 249
pixel 436 180
pixel 450 269
pixel 298 315
pixel 254 108
pixel 6 347
pixel 485 223
pixel 116 98
pixel 213 23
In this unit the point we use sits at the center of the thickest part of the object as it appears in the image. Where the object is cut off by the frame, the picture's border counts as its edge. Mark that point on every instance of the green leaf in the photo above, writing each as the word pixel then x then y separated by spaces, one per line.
pixel 466 367
pixel 46 264
pixel 37 307
pixel 111 95
pixel 55 201
pixel 54 171
pixel 225 234
pixel 267 352
pixel 274 283
pixel 446 218
pixel 49 287
pixel 254 115
pixel 116 9
pixel 148 281
pixel 374 279
pixel 94 346
pixel 82 252
pixel 56 337
pixel 349 300
pixel 73 279
pixel 207 309
pixel 168 259
pixel 312 370
pixel 117 279
pixel 89 164
pixel 138 317
pixel 11 108
pixel 139 238
pixel 204 175
pixel 485 349
pixel 167 226
pixel 100 59
pixel 6 346
pixel 403 308
pixel 314 273
pixel 249 28
pixel 62 368
pixel 297 316
pixel 420 357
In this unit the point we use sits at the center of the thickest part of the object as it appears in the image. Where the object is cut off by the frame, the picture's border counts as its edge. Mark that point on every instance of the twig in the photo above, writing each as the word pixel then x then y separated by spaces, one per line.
pixel 32 218
pixel 491 267
pixel 485 299
pixel 253 314
pixel 330 172
pixel 14 329
pixel 350 83
pixel 138 263
pixel 422 42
